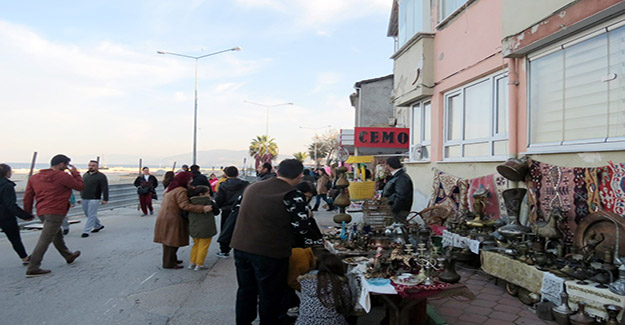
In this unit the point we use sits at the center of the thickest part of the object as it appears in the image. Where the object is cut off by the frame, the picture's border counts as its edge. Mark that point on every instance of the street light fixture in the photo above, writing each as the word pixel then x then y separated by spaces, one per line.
pixel 315 142
pixel 196 58
pixel 267 123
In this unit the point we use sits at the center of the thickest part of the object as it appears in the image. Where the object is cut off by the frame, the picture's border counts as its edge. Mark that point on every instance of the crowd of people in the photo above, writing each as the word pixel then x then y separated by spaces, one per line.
pixel 280 262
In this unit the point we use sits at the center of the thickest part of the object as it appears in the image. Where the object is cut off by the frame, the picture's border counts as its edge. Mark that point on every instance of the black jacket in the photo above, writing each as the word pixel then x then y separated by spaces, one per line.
pixel 150 185
pixel 96 187
pixel 267 176
pixel 8 202
pixel 229 191
pixel 398 190
pixel 199 179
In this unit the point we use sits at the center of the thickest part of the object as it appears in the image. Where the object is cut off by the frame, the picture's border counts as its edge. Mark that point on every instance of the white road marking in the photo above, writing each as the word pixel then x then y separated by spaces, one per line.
pixel 148 278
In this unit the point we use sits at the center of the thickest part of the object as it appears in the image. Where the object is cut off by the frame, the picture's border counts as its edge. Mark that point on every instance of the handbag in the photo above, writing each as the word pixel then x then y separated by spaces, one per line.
pixel 142 190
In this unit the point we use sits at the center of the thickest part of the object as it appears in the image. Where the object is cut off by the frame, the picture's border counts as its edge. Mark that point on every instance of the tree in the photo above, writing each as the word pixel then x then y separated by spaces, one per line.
pixel 263 150
pixel 301 156
pixel 323 144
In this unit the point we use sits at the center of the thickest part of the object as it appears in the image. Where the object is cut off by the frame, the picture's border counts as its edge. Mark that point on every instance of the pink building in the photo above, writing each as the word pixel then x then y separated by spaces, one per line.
pixel 479 81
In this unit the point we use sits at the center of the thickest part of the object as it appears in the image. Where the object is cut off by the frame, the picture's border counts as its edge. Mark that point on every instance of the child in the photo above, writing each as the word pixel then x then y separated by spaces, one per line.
pixel 201 226
pixel 326 297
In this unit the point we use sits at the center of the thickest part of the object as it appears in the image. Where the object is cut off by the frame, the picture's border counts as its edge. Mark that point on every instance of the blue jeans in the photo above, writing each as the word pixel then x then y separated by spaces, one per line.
pixel 261 279
pixel 325 198
pixel 90 207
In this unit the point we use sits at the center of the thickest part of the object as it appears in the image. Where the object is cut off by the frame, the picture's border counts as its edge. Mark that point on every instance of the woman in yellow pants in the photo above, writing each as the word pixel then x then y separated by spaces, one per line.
pixel 201 227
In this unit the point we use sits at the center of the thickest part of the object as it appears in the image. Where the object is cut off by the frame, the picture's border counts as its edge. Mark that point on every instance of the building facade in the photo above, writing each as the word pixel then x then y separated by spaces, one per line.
pixel 485 80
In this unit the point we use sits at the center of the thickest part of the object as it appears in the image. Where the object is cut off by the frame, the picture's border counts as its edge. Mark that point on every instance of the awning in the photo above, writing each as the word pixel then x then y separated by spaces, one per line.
pixel 359 159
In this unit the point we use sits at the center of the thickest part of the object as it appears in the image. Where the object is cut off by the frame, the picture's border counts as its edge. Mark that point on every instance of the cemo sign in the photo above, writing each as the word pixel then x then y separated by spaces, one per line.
pixel 382 137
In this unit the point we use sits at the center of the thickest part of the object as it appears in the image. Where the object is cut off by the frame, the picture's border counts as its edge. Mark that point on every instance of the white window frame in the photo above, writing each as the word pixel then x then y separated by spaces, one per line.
pixel 442 18
pixel 416 149
pixel 494 136
pixel 564 146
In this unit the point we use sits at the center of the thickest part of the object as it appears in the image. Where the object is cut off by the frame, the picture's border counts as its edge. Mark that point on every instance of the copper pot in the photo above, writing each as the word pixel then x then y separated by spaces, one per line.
pixel 514 169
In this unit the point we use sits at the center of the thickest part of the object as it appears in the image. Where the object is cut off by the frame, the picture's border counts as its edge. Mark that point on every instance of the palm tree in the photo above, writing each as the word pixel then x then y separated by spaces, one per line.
pixel 263 150
pixel 301 156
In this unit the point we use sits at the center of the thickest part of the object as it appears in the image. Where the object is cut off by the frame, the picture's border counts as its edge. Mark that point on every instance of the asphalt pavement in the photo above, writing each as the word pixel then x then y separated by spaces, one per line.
pixel 118 279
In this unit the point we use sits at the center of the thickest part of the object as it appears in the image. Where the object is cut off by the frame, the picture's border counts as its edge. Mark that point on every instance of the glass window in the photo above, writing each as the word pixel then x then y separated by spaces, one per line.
pixel 546 99
pixel 577 93
pixel 411 19
pixel 447 7
pixel 476 118
pixel 478 109
pixel 616 90
pixel 420 130
pixel 501 125
pixel 454 117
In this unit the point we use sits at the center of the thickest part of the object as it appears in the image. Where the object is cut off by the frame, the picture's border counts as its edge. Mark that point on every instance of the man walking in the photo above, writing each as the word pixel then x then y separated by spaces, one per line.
pixel 146 188
pixel 96 188
pixel 271 213
pixel 266 171
pixel 51 188
pixel 398 189
pixel 226 197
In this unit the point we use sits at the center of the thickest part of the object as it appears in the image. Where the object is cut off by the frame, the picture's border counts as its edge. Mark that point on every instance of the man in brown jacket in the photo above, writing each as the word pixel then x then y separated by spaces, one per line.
pixel 271 212
pixel 51 188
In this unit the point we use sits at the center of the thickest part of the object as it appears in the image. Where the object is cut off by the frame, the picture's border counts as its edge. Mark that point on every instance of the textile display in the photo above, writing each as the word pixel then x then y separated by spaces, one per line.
pixel 612 188
pixel 593 297
pixel 449 190
pixel 495 184
pixel 513 271
pixel 552 287
pixel 573 190
pixel 455 240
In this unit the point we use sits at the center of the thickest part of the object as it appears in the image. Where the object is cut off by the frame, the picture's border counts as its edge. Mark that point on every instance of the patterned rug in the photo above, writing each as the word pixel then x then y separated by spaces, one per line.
pixel 495 184
pixel 449 190
pixel 572 189
pixel 612 187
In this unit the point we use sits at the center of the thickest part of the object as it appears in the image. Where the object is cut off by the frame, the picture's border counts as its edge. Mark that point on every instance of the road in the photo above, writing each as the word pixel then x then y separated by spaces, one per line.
pixel 118 279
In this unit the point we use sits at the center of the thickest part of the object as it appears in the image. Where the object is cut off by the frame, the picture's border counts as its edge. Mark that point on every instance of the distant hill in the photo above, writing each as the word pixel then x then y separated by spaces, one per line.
pixel 215 158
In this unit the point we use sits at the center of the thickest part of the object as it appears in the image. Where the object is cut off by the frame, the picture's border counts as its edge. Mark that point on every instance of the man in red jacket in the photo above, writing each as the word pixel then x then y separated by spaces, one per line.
pixel 51 188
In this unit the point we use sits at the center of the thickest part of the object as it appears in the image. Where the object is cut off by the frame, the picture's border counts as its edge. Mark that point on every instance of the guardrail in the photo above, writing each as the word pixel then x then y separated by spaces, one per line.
pixel 120 195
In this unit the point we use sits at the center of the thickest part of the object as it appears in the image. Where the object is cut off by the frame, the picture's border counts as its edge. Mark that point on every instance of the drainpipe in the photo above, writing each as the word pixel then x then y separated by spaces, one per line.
pixel 513 107
pixel 359 92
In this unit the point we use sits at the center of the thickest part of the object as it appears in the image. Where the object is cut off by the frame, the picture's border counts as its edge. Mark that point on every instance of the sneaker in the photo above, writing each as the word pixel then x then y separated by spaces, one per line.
pixel 143 215
pixel 84 235
pixel 191 266
pixel 222 255
pixel 72 258
pixel 26 260
pixel 65 232
pixel 32 274
pixel 200 267
pixel 97 229
pixel 151 212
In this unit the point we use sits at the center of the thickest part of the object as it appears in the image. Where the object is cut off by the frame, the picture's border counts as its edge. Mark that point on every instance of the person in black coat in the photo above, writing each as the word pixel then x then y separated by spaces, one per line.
pixel 226 198
pixel 9 210
pixel 199 179
pixel 398 190
pixel 146 188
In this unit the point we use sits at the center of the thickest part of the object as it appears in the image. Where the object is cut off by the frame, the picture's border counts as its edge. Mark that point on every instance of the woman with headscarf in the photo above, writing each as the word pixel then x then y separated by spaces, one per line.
pixel 172 229
pixel 9 210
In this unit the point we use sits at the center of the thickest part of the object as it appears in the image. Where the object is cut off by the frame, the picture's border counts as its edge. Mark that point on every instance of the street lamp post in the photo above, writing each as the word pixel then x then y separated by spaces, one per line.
pixel 315 142
pixel 197 58
pixel 267 122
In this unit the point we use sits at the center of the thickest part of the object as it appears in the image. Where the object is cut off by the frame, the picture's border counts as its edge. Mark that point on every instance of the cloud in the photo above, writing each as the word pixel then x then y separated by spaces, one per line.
pixel 321 15
pixel 325 80
pixel 180 96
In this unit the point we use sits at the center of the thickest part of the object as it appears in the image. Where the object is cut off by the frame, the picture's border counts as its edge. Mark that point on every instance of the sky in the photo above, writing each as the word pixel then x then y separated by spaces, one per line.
pixel 83 77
